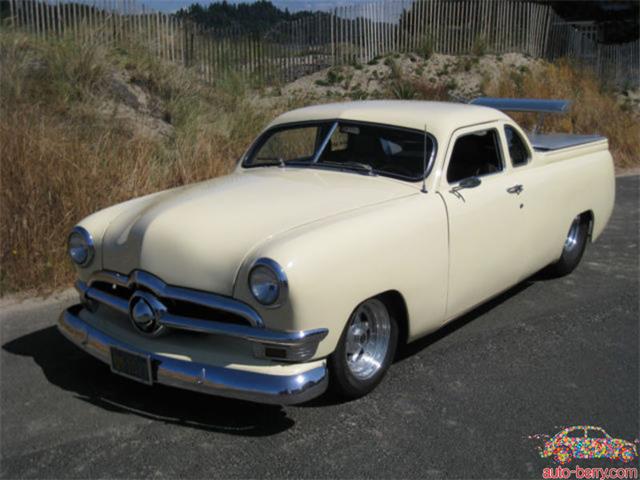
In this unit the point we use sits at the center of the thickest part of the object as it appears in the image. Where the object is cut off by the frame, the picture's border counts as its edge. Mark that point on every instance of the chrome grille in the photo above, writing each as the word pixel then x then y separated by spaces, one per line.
pixel 181 308
pixel 196 311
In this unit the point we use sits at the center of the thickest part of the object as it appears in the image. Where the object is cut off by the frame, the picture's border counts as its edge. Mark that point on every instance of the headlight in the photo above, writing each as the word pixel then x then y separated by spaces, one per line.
pixel 268 282
pixel 80 247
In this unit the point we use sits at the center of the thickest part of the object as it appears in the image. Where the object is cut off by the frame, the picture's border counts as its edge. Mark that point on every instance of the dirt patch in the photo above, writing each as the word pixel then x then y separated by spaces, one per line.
pixel 462 77
pixel 140 112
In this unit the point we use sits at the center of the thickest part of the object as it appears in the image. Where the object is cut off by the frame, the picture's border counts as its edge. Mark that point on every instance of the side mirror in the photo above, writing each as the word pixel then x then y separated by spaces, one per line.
pixel 471 182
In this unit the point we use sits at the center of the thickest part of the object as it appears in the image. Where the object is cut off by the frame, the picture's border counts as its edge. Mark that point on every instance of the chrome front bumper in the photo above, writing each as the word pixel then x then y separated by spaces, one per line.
pixel 214 380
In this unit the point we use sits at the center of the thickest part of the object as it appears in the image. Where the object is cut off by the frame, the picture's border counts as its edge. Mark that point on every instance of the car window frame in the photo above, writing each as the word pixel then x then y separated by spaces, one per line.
pixel 470 131
pixel 522 139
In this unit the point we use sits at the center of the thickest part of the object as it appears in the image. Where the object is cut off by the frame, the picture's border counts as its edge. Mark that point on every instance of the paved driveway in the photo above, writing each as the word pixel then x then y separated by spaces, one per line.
pixel 461 403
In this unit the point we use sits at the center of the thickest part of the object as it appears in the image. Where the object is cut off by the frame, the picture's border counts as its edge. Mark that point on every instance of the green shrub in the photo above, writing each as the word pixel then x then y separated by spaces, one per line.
pixel 403 90
pixel 426 47
pixel 480 46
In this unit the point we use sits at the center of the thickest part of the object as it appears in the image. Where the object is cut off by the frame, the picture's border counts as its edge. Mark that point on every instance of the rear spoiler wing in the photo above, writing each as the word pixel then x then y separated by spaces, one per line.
pixel 533 105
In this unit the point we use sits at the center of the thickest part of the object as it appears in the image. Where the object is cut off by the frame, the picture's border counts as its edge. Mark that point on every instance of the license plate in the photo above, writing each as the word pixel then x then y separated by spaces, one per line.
pixel 131 365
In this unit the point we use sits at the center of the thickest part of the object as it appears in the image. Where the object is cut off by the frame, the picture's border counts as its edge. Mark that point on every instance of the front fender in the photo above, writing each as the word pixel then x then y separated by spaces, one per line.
pixel 97 223
pixel 334 264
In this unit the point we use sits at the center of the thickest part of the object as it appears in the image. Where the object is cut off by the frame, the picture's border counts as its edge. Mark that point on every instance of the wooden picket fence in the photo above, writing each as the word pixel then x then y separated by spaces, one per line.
pixel 346 35
pixel 617 64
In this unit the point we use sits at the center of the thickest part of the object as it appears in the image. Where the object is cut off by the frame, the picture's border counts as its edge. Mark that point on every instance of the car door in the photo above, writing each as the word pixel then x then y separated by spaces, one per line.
pixel 487 228
pixel 532 186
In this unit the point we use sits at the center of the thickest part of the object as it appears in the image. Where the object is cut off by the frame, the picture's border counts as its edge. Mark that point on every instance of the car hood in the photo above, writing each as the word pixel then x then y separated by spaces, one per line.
pixel 198 236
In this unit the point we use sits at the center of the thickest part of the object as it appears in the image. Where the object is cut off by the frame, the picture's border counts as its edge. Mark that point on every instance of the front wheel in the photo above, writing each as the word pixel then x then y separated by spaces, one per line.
pixel 365 350
pixel 573 250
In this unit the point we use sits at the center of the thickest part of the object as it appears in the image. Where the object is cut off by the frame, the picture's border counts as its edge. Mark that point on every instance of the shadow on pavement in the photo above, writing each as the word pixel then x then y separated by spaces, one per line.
pixel 408 350
pixel 412 348
pixel 69 368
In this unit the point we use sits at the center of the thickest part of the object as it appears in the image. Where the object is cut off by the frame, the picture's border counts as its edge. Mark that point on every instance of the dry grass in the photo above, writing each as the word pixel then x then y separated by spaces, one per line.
pixel 61 160
pixel 594 108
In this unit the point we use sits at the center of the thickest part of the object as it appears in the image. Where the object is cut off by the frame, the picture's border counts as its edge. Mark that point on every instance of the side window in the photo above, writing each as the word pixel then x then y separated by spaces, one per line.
pixel 518 150
pixel 475 155
pixel 593 433
pixel 578 433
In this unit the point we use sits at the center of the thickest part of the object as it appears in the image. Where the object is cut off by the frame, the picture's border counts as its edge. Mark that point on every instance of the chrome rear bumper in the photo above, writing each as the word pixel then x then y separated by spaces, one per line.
pixel 214 380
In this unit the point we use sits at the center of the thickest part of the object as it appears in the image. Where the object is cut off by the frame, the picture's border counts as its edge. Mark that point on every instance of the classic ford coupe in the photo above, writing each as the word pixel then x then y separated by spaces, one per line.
pixel 345 231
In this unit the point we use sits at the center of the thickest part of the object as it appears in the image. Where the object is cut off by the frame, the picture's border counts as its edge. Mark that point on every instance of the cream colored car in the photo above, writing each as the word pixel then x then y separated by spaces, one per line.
pixel 346 230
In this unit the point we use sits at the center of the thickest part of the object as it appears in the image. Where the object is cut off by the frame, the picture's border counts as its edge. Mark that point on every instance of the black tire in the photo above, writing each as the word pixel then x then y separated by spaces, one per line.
pixel 573 250
pixel 343 381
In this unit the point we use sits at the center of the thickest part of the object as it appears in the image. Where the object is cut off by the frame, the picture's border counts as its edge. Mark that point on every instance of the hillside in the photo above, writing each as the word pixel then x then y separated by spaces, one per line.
pixel 83 127
pixel 259 16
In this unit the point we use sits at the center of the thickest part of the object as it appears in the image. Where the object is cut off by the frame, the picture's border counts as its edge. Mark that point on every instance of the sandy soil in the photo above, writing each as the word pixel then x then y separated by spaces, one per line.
pixel 463 76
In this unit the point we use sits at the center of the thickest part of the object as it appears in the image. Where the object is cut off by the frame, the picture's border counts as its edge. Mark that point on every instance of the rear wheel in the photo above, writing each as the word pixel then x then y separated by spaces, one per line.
pixel 365 350
pixel 573 250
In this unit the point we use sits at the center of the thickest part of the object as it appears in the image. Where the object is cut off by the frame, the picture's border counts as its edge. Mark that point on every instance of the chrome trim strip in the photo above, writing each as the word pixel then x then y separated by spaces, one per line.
pixel 117 303
pixel 325 142
pixel 272 337
pixel 161 289
pixel 225 382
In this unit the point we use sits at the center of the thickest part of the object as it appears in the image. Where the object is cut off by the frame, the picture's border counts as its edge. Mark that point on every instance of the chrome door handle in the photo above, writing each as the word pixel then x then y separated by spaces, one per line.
pixel 517 189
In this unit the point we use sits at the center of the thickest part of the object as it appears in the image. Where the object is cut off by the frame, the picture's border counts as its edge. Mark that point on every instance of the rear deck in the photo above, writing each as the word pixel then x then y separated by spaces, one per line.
pixel 546 142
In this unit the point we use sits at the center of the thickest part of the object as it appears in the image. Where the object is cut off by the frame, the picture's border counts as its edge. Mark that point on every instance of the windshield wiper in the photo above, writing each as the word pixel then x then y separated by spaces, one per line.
pixel 363 167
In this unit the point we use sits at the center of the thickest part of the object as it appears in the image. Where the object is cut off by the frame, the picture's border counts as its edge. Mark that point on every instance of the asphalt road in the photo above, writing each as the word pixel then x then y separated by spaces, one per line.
pixel 461 403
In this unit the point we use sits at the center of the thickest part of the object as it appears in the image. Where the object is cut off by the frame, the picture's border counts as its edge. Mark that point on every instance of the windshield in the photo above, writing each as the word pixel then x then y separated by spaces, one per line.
pixel 359 147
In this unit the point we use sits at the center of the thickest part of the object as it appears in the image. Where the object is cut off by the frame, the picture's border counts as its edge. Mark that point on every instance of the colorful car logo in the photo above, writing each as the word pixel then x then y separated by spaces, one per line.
pixel 586 441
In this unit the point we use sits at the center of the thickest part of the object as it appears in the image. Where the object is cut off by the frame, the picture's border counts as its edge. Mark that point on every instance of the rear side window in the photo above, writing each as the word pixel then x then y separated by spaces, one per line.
pixel 475 155
pixel 518 150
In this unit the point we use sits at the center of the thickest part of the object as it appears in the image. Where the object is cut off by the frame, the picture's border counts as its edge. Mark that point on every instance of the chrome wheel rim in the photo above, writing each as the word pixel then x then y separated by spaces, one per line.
pixel 368 336
pixel 572 238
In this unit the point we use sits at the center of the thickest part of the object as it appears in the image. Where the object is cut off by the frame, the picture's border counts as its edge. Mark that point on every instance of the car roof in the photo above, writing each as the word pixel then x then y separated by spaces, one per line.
pixel 441 118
